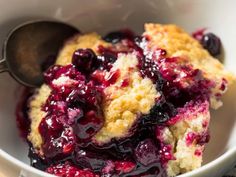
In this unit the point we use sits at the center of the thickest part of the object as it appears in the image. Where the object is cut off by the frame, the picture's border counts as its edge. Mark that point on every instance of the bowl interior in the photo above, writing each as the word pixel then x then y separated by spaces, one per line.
pixel 103 16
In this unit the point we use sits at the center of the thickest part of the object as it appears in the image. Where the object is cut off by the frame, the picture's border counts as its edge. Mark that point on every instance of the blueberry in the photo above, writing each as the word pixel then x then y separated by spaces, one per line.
pixel 146 152
pixel 114 37
pixel 117 36
pixel 212 43
pixel 160 113
pixel 84 60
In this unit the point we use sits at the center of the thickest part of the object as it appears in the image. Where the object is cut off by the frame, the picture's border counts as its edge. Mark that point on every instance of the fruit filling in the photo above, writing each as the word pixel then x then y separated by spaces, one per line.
pixel 125 105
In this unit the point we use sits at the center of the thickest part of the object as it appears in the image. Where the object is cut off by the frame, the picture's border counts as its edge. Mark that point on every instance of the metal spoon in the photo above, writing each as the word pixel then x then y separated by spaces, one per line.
pixel 29 46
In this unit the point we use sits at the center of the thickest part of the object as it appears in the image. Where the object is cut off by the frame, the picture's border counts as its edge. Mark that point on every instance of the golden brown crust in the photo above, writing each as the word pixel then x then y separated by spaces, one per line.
pixel 36 114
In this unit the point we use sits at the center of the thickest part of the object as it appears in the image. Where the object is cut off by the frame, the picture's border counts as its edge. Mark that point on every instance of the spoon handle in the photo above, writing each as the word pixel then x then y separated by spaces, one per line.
pixel 3 66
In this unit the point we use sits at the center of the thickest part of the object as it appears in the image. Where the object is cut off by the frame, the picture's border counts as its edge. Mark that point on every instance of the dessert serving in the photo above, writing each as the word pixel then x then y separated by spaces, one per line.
pixel 126 105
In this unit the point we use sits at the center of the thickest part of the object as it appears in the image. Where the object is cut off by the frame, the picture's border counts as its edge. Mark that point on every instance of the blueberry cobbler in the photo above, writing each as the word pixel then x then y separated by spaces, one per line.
pixel 126 105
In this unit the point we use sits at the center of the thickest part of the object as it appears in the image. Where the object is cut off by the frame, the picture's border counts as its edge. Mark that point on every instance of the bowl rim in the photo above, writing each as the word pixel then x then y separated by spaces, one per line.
pixel 23 167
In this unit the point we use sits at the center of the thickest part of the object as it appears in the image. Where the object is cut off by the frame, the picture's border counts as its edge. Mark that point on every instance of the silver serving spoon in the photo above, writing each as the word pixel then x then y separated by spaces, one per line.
pixel 30 46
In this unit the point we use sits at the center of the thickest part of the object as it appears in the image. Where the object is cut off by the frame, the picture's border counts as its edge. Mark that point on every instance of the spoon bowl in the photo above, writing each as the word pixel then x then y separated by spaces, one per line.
pixel 31 47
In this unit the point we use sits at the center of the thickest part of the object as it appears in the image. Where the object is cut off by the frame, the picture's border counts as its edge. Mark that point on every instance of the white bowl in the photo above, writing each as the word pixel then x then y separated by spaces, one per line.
pixel 106 15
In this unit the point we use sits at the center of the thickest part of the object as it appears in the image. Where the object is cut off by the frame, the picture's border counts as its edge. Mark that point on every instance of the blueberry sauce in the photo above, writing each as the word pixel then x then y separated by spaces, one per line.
pixel 68 170
pixel 74 113
pixel 182 83
pixel 125 83
pixel 112 78
pixel 70 108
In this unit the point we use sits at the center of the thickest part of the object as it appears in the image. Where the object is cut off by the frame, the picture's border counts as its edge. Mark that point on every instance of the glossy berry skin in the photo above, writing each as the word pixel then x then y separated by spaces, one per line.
pixel 117 36
pixel 84 60
pixel 212 43
pixel 146 152
pixel 160 113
